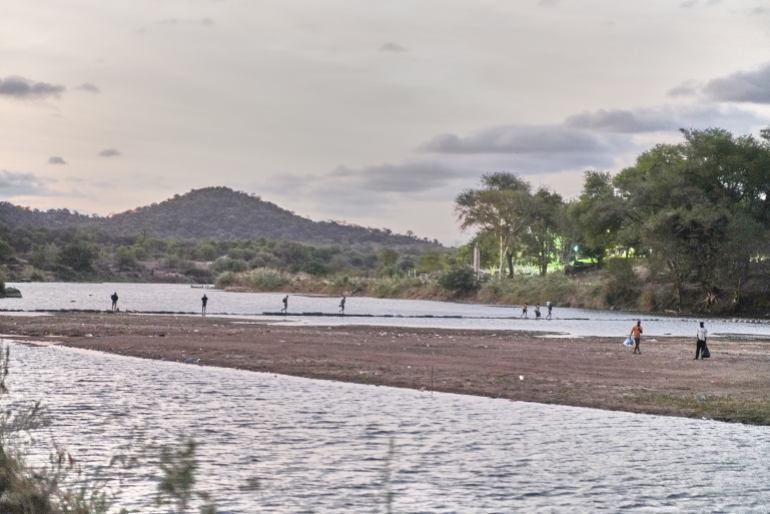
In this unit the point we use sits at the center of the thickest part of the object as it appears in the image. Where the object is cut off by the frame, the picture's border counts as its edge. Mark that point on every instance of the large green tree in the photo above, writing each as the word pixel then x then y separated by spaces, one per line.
pixel 541 235
pixel 701 208
pixel 500 207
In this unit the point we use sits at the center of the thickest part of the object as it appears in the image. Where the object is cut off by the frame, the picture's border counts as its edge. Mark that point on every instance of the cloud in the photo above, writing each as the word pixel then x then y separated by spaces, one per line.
pixel 56 160
pixel 519 139
pixel 402 178
pixel 371 189
pixel 622 121
pixel 19 87
pixel 87 86
pixel 393 48
pixel 15 184
pixel 743 86
pixel 110 152
pixel 548 3
pixel 664 118
pixel 689 88
pixel 688 4
pixel 201 22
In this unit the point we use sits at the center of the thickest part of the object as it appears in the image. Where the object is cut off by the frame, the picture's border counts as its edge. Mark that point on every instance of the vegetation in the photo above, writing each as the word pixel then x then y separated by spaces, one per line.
pixel 213 214
pixel 684 229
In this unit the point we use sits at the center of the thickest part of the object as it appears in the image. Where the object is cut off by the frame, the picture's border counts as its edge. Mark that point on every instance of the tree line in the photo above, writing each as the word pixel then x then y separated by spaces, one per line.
pixel 693 216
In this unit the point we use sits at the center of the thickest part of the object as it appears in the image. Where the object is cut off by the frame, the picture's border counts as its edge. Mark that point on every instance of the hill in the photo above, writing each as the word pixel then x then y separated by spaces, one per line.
pixel 212 213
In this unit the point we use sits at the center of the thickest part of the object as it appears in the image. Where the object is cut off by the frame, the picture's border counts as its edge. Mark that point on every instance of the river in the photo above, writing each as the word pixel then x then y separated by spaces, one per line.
pixel 361 310
pixel 284 444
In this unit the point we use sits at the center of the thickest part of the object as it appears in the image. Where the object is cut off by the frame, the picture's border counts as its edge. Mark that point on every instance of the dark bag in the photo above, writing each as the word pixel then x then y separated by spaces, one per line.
pixel 705 354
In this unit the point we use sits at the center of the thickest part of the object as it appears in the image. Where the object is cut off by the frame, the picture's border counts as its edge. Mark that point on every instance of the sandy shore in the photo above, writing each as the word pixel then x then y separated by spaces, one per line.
pixel 734 385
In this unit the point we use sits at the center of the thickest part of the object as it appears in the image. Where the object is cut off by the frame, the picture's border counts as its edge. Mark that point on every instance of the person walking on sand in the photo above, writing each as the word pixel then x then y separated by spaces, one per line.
pixel 636 335
pixel 204 302
pixel 537 311
pixel 700 344
pixel 285 304
pixel 549 306
pixel 524 311
pixel 342 305
pixel 114 298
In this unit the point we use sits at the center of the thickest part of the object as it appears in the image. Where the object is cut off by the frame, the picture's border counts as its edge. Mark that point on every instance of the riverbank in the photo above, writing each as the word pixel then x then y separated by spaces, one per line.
pixel 591 372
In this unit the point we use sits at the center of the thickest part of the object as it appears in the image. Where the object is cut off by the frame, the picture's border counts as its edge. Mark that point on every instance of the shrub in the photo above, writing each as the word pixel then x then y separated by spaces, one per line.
pixel 459 281
pixel 621 287
pixel 264 279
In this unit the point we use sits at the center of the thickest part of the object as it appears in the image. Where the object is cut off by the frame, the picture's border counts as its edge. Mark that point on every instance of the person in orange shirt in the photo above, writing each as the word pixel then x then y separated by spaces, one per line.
pixel 636 335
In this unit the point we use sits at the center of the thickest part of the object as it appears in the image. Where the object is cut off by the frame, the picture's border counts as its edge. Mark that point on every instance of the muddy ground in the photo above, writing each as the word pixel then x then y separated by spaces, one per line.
pixel 734 385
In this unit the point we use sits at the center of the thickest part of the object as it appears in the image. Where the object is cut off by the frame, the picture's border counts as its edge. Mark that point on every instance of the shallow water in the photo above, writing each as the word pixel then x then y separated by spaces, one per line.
pixel 316 446
pixel 385 312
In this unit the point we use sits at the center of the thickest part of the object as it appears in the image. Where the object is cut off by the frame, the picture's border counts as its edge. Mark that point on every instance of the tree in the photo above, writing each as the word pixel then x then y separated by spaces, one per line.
pixel 701 207
pixel 542 230
pixel 78 255
pixel 598 215
pixel 501 208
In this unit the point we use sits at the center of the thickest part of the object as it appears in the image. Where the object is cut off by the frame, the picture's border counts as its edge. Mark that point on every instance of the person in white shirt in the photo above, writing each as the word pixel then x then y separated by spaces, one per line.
pixel 701 343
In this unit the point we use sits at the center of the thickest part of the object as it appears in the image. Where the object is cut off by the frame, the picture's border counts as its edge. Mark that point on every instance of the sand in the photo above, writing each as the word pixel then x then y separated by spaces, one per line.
pixel 734 385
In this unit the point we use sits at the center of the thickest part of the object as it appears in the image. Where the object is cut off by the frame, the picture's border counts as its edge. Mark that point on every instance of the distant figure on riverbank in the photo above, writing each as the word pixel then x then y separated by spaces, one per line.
pixel 549 306
pixel 204 302
pixel 524 311
pixel 285 304
pixel 342 305
pixel 700 343
pixel 636 335
pixel 537 311
pixel 114 298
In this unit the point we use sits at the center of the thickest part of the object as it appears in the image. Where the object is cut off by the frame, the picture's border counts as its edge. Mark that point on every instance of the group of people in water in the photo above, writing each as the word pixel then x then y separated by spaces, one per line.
pixel 701 350
pixel 548 306
pixel 285 303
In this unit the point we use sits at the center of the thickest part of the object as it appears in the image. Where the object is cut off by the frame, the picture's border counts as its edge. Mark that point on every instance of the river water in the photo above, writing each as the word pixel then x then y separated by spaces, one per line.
pixel 361 310
pixel 284 444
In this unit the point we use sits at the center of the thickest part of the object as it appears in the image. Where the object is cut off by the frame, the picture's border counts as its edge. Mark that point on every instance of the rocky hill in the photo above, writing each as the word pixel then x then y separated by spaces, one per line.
pixel 212 213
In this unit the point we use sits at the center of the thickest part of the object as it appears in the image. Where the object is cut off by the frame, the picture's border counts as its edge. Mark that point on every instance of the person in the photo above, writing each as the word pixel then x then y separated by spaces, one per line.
pixel 204 301
pixel 114 298
pixel 537 311
pixel 636 335
pixel 524 311
pixel 549 306
pixel 342 305
pixel 285 304
pixel 700 344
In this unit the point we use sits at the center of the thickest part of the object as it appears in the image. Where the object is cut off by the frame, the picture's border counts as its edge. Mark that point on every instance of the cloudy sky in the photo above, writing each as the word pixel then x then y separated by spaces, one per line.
pixel 377 113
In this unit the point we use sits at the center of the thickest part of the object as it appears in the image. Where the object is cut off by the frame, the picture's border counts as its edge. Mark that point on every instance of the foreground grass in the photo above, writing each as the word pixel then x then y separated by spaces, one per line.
pixel 718 408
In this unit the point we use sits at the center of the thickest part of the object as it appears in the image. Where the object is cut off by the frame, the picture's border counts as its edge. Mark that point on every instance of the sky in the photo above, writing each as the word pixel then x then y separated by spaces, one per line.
pixel 375 113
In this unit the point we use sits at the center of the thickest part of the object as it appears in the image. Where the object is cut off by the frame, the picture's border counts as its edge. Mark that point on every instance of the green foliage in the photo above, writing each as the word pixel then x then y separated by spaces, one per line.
pixel 459 281
pixel 178 465
pixel 78 255
pixel 622 286
pixel 6 250
pixel 500 208
pixel 266 279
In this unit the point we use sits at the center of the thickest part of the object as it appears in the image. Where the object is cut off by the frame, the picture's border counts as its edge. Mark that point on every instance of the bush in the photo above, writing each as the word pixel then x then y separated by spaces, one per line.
pixel 459 281
pixel 621 286
pixel 266 279
pixel 223 264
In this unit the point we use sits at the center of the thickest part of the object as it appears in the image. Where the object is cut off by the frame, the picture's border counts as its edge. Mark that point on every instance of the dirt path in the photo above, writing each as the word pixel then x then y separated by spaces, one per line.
pixel 733 385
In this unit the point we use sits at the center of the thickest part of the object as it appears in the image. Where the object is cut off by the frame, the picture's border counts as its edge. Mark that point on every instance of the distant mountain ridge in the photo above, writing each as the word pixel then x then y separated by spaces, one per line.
pixel 211 213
